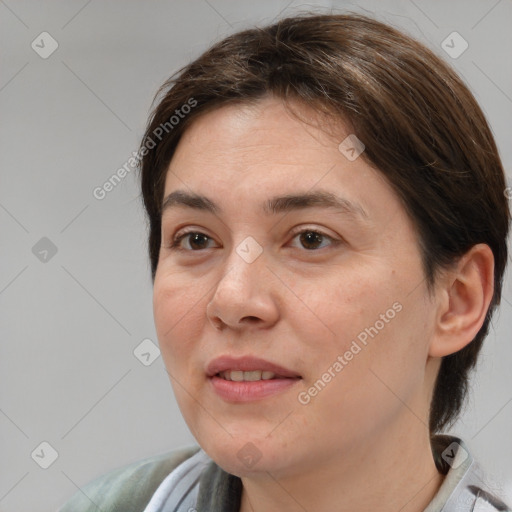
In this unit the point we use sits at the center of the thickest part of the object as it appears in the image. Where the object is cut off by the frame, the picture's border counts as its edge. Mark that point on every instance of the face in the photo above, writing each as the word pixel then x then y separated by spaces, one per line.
pixel 328 300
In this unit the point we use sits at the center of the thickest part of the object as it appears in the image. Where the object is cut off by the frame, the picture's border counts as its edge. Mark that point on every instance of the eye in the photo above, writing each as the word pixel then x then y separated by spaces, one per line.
pixel 197 241
pixel 311 239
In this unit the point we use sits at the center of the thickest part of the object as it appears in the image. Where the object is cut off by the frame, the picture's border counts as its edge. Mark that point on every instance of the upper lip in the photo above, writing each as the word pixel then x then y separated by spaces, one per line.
pixel 247 364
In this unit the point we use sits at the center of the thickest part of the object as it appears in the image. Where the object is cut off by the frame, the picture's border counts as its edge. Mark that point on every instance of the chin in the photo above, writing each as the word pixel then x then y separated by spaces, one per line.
pixel 245 453
pixel 246 461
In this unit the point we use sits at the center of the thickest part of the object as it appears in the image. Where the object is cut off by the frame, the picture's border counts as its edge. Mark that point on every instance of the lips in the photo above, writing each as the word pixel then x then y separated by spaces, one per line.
pixel 246 379
pixel 248 364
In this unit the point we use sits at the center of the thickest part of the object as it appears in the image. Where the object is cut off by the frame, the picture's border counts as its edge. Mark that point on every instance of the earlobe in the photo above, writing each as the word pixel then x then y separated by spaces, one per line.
pixel 463 300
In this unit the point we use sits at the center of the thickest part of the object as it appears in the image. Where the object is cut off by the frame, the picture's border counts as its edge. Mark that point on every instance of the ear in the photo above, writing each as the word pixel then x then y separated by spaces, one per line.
pixel 463 296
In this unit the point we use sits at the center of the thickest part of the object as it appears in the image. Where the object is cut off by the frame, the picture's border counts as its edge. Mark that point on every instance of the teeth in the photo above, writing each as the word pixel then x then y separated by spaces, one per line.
pixel 252 376
pixel 239 376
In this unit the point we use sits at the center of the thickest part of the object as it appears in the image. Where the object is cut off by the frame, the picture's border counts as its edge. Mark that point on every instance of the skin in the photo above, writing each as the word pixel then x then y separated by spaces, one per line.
pixel 301 308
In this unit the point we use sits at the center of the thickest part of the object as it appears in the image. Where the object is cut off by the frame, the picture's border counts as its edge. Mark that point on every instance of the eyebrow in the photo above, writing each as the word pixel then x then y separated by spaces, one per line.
pixel 275 205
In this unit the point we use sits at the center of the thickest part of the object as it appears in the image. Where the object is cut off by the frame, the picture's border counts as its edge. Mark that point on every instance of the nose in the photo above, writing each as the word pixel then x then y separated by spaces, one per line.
pixel 245 296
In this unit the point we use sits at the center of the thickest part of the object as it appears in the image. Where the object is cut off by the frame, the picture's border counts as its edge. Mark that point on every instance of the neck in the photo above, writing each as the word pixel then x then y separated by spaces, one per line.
pixel 394 472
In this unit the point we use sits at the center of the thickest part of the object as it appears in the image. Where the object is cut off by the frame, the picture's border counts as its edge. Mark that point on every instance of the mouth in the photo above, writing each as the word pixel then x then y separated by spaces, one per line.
pixel 248 378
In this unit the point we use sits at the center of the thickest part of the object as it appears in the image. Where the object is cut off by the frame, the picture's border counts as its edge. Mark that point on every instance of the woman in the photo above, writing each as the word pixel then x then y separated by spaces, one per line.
pixel 328 228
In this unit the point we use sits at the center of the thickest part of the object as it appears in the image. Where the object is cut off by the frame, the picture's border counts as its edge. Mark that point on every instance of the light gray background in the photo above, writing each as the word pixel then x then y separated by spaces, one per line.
pixel 69 325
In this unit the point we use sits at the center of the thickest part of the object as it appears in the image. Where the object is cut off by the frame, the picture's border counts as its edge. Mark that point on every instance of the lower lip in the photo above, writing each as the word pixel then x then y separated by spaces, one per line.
pixel 247 391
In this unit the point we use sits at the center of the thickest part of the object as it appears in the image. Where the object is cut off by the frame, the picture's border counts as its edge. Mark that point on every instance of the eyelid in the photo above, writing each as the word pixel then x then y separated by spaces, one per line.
pixel 302 228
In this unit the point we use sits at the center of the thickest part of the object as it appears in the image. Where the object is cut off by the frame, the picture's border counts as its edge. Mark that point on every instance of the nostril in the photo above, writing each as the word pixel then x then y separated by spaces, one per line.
pixel 218 323
pixel 250 319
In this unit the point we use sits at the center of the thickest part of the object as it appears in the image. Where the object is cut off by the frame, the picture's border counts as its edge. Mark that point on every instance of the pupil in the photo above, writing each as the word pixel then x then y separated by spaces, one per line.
pixel 310 237
pixel 195 238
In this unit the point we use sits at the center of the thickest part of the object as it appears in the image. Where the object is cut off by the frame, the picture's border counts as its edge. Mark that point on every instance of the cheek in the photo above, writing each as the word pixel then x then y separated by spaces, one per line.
pixel 373 325
pixel 343 306
pixel 179 317
pixel 384 357
pixel 178 313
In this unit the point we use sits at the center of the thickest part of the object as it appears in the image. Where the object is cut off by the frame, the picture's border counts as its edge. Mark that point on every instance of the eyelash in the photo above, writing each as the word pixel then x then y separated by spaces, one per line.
pixel 180 236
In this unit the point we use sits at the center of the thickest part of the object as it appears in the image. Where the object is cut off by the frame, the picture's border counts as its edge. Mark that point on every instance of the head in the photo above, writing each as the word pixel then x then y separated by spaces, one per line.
pixel 261 115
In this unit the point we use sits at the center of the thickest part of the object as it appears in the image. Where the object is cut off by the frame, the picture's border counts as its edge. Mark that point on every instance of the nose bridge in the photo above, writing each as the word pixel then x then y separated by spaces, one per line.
pixel 244 267
pixel 241 291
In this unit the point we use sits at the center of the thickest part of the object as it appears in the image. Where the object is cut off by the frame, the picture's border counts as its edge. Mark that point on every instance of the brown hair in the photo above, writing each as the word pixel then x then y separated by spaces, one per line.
pixel 421 126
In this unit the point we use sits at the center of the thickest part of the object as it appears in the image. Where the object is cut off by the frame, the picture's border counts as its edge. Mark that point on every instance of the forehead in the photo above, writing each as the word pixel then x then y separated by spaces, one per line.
pixel 263 153
pixel 243 130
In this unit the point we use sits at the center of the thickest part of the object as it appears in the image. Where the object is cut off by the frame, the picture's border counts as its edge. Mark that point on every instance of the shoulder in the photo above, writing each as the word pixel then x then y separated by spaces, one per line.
pixel 128 488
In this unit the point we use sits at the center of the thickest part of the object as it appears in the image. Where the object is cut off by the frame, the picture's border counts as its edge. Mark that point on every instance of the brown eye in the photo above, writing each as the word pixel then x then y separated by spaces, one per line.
pixel 311 239
pixel 196 241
